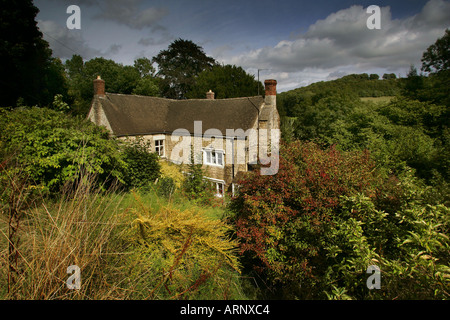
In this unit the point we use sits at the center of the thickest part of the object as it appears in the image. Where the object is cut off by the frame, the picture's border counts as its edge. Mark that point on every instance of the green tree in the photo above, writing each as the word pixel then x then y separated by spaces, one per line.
pixel 81 74
pixel 118 78
pixel 136 79
pixel 148 84
pixel 226 81
pixel 145 67
pixel 28 70
pixel 74 66
pixel 178 67
pixel 388 76
pixel 314 121
pixel 413 83
pixel 437 56
pixel 436 60
pixel 194 185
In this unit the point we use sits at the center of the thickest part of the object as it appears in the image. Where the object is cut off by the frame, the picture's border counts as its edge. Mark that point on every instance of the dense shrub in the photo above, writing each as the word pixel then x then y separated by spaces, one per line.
pixel 142 165
pixel 166 187
pixel 182 254
pixel 53 148
pixel 313 228
pixel 172 171
pixel 195 186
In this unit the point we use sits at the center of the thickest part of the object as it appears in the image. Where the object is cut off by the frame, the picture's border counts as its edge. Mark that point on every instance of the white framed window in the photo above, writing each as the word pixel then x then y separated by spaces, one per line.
pixel 213 157
pixel 218 186
pixel 159 145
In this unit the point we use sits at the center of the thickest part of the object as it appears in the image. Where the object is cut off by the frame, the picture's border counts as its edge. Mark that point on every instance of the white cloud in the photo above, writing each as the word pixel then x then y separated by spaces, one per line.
pixel 343 41
pixel 219 52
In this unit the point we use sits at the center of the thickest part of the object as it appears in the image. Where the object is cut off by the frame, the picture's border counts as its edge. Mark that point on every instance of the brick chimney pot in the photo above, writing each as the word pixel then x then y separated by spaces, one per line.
pixel 210 95
pixel 271 87
pixel 99 86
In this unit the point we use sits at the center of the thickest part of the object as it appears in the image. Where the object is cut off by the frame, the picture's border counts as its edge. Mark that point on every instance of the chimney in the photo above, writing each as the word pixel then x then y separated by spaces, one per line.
pixel 271 92
pixel 210 95
pixel 99 86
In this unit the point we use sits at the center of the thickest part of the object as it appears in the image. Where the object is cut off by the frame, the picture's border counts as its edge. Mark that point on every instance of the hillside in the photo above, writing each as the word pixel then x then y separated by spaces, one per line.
pixel 356 85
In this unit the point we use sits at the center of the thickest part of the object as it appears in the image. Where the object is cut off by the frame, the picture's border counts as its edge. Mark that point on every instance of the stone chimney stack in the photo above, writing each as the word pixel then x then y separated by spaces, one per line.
pixel 271 92
pixel 210 95
pixel 99 86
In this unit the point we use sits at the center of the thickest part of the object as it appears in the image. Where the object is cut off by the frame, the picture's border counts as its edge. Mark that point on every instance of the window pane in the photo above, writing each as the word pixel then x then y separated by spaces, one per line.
pixel 159 147
pixel 220 158
pixel 208 156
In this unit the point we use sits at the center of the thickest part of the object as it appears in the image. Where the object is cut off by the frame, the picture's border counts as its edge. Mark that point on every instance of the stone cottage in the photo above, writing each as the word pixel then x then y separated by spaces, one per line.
pixel 228 136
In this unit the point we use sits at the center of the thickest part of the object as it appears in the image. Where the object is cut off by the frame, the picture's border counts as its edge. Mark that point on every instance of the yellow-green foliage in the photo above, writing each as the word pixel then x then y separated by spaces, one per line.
pixel 378 100
pixel 170 170
pixel 183 254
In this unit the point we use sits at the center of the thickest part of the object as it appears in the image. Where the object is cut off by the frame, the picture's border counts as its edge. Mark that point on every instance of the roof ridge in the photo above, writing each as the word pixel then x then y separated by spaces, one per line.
pixel 221 99
pixel 179 100
pixel 138 95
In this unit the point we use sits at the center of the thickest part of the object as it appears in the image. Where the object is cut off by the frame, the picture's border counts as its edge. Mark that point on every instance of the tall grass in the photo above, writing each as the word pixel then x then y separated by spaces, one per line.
pixel 77 229
pixel 96 231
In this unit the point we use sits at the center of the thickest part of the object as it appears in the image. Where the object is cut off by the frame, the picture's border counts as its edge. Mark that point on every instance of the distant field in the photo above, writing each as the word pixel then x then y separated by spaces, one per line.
pixel 384 99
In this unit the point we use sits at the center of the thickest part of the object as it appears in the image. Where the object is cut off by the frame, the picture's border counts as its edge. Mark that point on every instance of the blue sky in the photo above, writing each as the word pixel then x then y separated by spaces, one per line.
pixel 296 42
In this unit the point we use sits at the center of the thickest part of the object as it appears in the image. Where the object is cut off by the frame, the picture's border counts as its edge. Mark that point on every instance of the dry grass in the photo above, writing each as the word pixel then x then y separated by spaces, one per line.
pixel 97 231
pixel 75 230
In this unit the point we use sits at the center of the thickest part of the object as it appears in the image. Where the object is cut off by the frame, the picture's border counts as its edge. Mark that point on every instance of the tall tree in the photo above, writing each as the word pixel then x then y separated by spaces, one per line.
pixel 178 67
pixel 413 84
pixel 27 72
pixel 436 60
pixel 227 81
pixel 145 67
pixel 148 85
pixel 437 57
pixel 136 79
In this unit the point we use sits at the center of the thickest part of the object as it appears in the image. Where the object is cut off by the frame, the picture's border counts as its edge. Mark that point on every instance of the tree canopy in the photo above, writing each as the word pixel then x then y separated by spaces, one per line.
pixel 28 72
pixel 119 78
pixel 227 81
pixel 437 56
pixel 178 67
